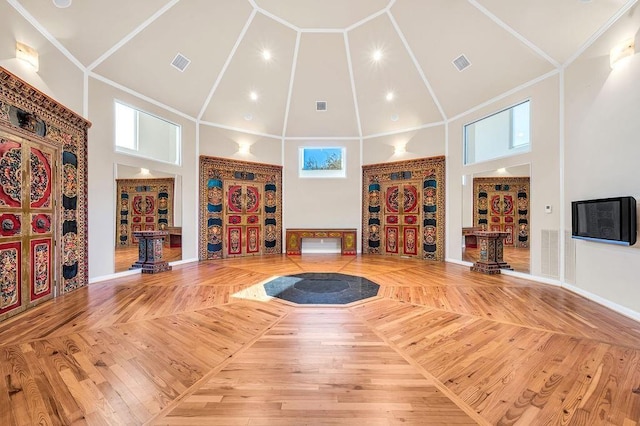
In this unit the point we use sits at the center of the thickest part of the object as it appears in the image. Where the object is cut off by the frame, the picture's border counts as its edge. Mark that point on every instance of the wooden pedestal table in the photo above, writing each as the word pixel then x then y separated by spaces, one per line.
pixel 150 252
pixel 491 252
pixel 470 239
pixel 347 236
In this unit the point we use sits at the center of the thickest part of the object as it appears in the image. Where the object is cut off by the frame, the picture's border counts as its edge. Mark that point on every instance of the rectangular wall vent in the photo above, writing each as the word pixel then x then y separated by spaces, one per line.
pixel 180 62
pixel 461 62
pixel 321 105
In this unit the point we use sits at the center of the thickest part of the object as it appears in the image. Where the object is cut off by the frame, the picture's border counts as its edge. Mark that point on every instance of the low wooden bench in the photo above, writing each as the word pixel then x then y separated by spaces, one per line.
pixel 347 236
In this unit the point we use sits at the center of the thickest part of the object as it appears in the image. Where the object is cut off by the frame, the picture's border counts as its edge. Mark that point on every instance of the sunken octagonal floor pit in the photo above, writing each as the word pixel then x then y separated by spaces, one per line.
pixel 321 288
pixel 205 344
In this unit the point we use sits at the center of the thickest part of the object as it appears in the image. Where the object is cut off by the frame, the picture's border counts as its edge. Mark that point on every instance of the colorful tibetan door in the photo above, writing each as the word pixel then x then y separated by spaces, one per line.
pixel 502 215
pixel 243 218
pixel 401 219
pixel 27 223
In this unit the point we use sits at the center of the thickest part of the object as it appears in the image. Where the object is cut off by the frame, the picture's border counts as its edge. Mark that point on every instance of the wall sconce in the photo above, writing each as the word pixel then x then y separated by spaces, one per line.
pixel 144 171
pixel 27 54
pixel 244 148
pixel 400 149
pixel 621 53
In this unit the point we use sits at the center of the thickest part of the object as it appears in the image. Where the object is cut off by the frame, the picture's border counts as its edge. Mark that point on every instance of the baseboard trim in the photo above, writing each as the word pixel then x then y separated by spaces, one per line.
pixel 629 313
pixel 459 262
pixel 113 276
pixel 542 280
pixel 516 274
pixel 135 271
pixel 184 261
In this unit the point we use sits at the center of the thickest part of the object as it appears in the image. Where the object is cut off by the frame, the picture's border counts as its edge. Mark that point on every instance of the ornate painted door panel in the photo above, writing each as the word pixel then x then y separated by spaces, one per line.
pixel 502 204
pixel 27 223
pixel 243 218
pixel 502 216
pixel 401 229
pixel 143 205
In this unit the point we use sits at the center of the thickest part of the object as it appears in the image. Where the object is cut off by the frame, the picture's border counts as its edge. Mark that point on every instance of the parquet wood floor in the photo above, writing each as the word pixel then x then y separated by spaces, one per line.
pixel 203 344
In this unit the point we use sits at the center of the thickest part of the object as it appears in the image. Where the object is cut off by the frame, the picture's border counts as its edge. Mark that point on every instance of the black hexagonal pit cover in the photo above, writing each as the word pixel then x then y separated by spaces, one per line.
pixel 313 288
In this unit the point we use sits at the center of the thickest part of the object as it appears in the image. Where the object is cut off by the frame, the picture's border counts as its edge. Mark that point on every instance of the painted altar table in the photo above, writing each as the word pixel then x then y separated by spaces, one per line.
pixel 150 252
pixel 491 252
pixel 347 236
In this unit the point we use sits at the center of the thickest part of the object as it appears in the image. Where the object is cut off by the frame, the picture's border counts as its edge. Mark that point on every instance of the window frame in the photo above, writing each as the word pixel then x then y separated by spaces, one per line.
pixel 520 149
pixel 136 152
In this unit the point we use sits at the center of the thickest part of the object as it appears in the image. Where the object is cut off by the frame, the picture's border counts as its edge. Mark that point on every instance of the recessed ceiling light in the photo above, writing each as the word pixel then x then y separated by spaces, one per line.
pixel 377 55
pixel 389 97
pixel 395 117
pixel 248 117
pixel 62 3
pixel 266 55
pixel 253 96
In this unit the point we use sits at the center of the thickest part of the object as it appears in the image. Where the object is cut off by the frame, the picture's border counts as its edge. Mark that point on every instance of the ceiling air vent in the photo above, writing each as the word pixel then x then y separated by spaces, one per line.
pixel 461 62
pixel 321 105
pixel 180 62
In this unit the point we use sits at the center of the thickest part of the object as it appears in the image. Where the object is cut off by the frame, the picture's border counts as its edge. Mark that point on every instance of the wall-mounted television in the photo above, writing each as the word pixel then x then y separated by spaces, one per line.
pixel 608 220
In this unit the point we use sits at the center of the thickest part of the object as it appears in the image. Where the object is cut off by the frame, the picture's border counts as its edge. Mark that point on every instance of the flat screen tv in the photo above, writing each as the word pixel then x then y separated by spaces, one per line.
pixel 608 220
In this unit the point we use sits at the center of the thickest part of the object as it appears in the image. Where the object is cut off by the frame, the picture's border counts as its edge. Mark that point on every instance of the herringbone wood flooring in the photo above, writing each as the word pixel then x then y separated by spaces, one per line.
pixel 203 344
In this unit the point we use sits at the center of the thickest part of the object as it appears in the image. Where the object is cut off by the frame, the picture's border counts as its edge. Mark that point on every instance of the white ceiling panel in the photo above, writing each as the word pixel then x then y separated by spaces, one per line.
pixel 438 31
pixel 204 31
pixel 322 13
pixel 558 27
pixel 91 27
pixel 248 71
pixel 322 74
pixel 508 42
pixel 395 74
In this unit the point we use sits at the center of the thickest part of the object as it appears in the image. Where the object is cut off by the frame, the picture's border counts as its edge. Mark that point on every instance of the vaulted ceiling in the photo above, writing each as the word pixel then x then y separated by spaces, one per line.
pixel 321 50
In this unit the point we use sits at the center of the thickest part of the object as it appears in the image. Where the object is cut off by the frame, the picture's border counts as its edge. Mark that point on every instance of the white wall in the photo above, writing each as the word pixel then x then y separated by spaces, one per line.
pixel 102 161
pixel 429 142
pixel 543 158
pixel 602 157
pixel 215 142
pixel 322 202
pixel 57 77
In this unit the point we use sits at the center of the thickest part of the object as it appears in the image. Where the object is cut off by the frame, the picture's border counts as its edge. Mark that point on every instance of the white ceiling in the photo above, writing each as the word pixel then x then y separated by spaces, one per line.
pixel 321 52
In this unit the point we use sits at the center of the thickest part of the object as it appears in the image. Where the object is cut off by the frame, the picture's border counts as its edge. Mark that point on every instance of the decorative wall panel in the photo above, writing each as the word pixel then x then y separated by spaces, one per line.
pixel 240 208
pixel 502 204
pixel 143 205
pixel 43 196
pixel 41 273
pixel 403 208
pixel 10 276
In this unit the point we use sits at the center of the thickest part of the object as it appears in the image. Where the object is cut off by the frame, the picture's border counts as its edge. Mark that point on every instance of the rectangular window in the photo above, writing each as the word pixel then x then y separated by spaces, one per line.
pixel 145 135
pixel 323 162
pixel 501 134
